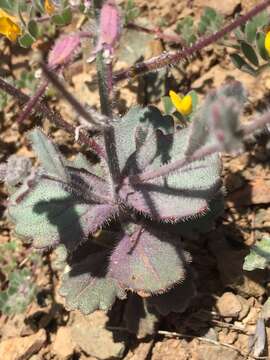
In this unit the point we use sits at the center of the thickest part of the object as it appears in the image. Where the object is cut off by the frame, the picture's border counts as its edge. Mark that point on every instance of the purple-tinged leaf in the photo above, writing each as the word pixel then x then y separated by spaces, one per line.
pixel 50 212
pixel 181 194
pixel 87 287
pixel 48 154
pixel 134 129
pixel 148 263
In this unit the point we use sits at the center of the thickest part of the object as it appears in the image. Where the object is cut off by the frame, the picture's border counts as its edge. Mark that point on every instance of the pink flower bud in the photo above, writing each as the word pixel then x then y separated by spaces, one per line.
pixel 64 50
pixel 109 27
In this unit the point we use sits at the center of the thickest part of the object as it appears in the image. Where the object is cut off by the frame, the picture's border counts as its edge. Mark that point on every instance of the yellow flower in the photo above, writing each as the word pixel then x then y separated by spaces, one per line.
pixel 49 7
pixel 184 105
pixel 267 42
pixel 9 26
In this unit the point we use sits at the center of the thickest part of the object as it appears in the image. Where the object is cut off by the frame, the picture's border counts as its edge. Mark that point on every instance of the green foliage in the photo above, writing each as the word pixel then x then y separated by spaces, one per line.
pixel 63 18
pixel 186 29
pixel 209 22
pixel 259 257
pixel 3 100
pixel 251 56
pixel 20 293
pixel 28 14
pixel 8 253
pixel 19 289
pixel 130 11
pixel 27 81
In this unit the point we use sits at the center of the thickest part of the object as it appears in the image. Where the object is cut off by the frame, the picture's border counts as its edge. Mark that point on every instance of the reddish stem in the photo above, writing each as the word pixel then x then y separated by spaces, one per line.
pixel 157 32
pixel 173 166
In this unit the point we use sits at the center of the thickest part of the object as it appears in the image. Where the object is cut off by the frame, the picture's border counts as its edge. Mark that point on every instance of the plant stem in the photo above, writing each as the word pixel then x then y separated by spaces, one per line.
pixel 92 121
pixel 254 125
pixel 104 83
pixel 53 116
pixel 157 32
pixel 172 58
pixel 33 100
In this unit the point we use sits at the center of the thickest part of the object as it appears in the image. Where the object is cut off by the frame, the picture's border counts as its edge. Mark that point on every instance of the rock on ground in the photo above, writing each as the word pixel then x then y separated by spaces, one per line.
pixel 63 345
pixel 22 348
pixel 170 349
pixel 228 305
pixel 90 334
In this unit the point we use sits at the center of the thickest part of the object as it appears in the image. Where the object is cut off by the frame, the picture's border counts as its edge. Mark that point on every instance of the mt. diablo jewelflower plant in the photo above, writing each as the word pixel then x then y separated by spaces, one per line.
pixel 153 183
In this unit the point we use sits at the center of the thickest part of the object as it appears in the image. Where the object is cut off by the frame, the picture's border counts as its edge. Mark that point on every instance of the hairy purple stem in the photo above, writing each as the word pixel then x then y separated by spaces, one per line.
pixel 157 32
pixel 174 166
pixel 70 98
pixel 172 58
pixel 104 73
pixel 255 124
pixel 33 101
pixel 53 116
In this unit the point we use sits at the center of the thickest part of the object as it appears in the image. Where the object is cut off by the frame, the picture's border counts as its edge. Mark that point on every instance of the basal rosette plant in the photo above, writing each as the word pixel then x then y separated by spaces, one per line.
pixel 117 224
pixel 160 174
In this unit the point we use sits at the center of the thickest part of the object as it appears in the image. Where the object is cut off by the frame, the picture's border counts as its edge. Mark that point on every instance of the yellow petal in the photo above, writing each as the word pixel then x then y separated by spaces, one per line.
pixel 49 7
pixel 184 106
pixel 267 42
pixel 9 28
pixel 3 13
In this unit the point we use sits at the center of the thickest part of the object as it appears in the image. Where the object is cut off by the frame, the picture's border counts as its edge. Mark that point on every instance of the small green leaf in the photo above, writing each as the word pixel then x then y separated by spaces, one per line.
pixel 249 53
pixel 38 4
pixel 9 5
pixel 33 28
pixel 210 13
pixel 250 31
pixel 242 65
pixel 26 40
pixel 239 34
pixel 167 105
pixel 203 25
pixel 260 38
pixel 64 18
pixel 259 256
pixel 261 19
pixel 195 99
